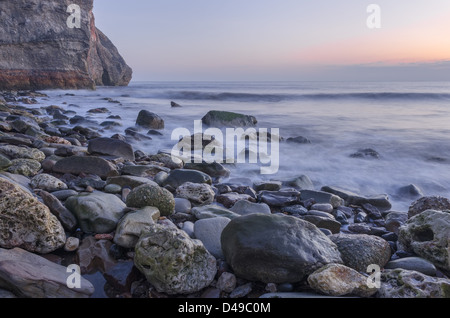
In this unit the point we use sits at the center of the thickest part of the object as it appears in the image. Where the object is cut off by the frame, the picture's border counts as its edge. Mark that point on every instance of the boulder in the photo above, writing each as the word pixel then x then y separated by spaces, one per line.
pixel 111 147
pixel 428 203
pixel 130 227
pixel 322 197
pixel 279 198
pixel 129 181
pixel 152 195
pixel 276 248
pixel 220 119
pixel 96 212
pixel 79 57
pixel 32 276
pixel 358 251
pixel 209 231
pixel 197 193
pixel 149 120
pixel 87 165
pixel 27 223
pixel 427 235
pixel 402 283
pixel 47 182
pixel 173 262
pixel 340 280
pixel 179 176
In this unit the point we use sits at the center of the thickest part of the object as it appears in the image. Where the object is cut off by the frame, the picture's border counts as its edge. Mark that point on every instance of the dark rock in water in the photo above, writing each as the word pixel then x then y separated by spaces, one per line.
pixel 322 197
pixel 43 53
pixel 219 119
pixel 366 153
pixel 88 165
pixel 135 134
pixel 111 147
pixel 87 132
pixel 149 120
pixel 179 176
pixel 379 201
pixel 300 183
pixel 372 212
pixel 154 132
pixel 109 124
pixel 101 110
pixel 173 104
pixel 296 248
pixel 295 209
pixel 279 198
pixel 428 203
pixel 299 140
pixel 410 191
pixel 267 185
pixel 213 169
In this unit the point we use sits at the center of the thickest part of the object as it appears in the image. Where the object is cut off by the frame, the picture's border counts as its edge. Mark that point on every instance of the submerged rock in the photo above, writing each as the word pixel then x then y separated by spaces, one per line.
pixel 219 119
pixel 149 120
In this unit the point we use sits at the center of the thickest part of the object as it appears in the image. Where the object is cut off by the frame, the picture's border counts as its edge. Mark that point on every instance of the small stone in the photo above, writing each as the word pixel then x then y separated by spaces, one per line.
pixel 113 188
pixel 241 291
pixel 271 288
pixel 105 236
pixel 72 244
pixel 226 282
pixel 325 207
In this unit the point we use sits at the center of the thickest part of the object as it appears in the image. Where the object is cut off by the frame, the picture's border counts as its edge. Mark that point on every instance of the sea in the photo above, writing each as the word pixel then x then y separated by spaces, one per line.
pixel 407 124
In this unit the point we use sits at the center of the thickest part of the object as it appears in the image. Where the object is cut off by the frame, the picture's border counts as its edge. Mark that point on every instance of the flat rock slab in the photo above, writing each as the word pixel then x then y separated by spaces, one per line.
pixel 87 165
pixel 29 275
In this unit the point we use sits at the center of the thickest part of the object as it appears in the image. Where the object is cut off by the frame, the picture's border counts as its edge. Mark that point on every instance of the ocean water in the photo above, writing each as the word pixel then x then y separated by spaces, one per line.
pixel 407 123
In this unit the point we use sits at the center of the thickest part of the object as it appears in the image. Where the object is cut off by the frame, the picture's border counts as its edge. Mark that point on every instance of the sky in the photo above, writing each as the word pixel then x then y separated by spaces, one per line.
pixel 183 40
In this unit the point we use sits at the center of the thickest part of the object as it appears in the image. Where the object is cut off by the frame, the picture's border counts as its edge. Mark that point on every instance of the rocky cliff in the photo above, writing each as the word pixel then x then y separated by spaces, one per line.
pixel 39 49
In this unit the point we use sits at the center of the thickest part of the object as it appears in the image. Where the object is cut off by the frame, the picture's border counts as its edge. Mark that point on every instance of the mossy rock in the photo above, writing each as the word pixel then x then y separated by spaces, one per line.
pixel 152 195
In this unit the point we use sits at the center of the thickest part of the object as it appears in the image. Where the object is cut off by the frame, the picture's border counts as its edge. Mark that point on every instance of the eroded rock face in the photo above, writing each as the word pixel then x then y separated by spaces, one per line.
pixel 27 223
pixel 428 235
pixel 32 31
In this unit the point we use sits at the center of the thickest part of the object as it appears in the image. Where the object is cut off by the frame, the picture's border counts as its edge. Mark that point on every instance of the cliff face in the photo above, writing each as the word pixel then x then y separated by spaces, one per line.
pixel 38 50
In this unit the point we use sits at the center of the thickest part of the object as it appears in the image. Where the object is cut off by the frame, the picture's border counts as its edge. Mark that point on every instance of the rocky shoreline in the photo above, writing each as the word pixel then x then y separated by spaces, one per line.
pixel 142 225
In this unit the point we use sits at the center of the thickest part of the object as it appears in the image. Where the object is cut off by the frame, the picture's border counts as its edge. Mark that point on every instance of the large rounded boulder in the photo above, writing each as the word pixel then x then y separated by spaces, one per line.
pixel 152 195
pixel 275 248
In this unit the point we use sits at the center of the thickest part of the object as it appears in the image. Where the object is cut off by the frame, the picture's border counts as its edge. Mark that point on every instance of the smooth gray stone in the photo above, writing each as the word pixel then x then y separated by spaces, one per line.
pixel 413 263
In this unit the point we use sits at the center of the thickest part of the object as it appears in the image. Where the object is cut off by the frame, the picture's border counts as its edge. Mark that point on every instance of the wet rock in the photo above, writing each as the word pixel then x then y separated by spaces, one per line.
pixel 96 212
pixel 368 153
pixel 129 181
pixel 32 276
pixel 182 205
pixel 401 283
pixel 72 244
pixel 197 193
pixel 67 219
pixel 267 185
pixel 340 280
pixel 379 201
pixel 361 250
pixel 143 170
pixel 394 220
pixel 64 194
pixel 322 197
pixel 413 264
pixel 323 222
pixel 300 183
pixel 209 231
pixel 187 266
pixel 87 165
pixel 427 235
pixel 241 291
pixel 113 188
pixel 428 203
pixel 229 199
pixel 298 140
pixel 93 255
pixel 27 223
pixel 177 177
pixel 122 275
pixel 213 169
pixel 279 198
pixel 111 147
pixel 4 162
pixel 325 207
pixel 228 119
pixel 244 207
pixel 47 182
pixel 296 248
pixel 410 191
pixel 152 195
pixel 130 227
pixel 169 161
pixel 149 120
pixel 226 282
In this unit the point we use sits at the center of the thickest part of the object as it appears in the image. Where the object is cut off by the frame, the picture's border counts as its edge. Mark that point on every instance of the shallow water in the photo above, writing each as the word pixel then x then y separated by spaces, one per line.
pixel 406 123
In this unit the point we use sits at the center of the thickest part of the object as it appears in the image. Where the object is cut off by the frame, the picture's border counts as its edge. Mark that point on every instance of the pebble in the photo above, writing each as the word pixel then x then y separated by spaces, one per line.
pixel 72 244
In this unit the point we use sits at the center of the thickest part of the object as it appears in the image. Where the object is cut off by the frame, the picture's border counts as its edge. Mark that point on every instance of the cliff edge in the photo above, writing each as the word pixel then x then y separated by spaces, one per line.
pixel 46 44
